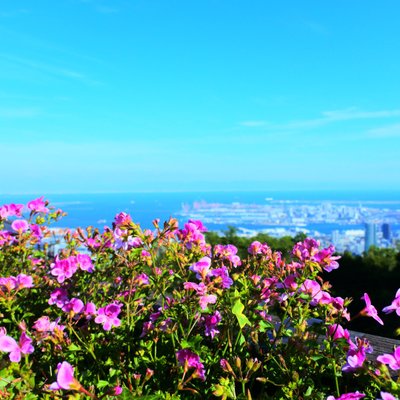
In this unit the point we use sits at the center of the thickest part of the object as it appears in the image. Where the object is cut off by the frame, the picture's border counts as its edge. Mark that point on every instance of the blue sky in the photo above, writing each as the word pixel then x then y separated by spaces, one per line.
pixel 178 95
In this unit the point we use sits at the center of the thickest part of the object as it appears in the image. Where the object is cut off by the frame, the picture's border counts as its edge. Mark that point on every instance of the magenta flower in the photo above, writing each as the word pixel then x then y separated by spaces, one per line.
pixel 11 210
pixel 43 324
pixel 24 281
pixel 188 359
pixel 222 276
pixel 395 306
pixel 8 283
pixel 227 252
pixel 89 310
pixel 210 322
pixel 387 396
pixel 19 282
pixel 9 345
pixel 198 224
pixel 108 316
pixel 260 248
pixel 201 268
pixel 305 250
pixel 312 288
pixel 192 234
pixel 38 205
pixel 65 378
pixel 348 396
pixel 116 391
pixel 142 280
pixel 64 269
pixel 122 219
pixel 36 231
pixel 370 310
pixel 20 225
pixel 393 360
pixel 326 260
pixel 75 305
pixel 207 299
pixel 58 297
pixel 6 238
pixel 336 332
pixel 201 290
pixel 357 354
pixel 84 262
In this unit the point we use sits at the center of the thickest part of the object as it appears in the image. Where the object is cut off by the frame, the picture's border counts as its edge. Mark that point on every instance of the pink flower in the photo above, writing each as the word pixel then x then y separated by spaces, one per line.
pixel 107 316
pixel 188 359
pixel 336 331
pixel 38 205
pixel 75 305
pixel 89 310
pixel 357 354
pixel 19 282
pixel 122 219
pixel 58 297
pixel 8 283
pixel 325 259
pixel 395 306
pixel 64 269
pixel 142 280
pixel 305 250
pixel 201 268
pixel 36 231
pixel 201 290
pixel 222 277
pixel 20 225
pixel 84 262
pixel 370 310
pixel 65 378
pixel 210 322
pixel 313 288
pixel 199 225
pixel 207 299
pixel 387 396
pixel 192 234
pixel 392 360
pixel 227 252
pixel 11 210
pixel 117 390
pixel 6 238
pixel 347 396
pixel 260 248
pixel 24 281
pixel 43 324
pixel 9 345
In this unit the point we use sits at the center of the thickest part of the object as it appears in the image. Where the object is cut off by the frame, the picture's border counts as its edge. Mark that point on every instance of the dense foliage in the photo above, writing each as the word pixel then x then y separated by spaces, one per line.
pixel 163 315
pixel 377 271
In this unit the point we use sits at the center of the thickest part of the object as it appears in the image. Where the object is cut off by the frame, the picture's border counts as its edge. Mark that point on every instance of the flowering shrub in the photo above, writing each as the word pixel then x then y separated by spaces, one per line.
pixel 162 315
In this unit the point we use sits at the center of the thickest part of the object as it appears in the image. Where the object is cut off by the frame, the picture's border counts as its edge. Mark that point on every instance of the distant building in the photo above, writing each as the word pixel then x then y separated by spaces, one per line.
pixel 386 232
pixel 370 235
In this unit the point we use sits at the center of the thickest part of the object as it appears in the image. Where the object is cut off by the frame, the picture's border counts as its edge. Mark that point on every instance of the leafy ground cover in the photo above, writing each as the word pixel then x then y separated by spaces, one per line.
pixel 161 314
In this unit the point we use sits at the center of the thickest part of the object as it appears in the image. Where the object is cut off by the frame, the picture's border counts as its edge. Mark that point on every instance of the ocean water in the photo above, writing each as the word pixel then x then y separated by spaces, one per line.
pixel 99 210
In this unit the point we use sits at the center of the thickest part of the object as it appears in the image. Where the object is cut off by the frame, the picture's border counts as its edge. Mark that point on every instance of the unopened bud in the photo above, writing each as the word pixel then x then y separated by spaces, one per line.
pixel 238 363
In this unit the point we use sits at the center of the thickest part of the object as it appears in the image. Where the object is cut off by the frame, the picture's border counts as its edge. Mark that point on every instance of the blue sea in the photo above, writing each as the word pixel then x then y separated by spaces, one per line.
pixel 99 210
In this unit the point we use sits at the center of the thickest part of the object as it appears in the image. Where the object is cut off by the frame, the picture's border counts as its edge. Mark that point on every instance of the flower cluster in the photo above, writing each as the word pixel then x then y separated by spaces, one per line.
pixel 162 314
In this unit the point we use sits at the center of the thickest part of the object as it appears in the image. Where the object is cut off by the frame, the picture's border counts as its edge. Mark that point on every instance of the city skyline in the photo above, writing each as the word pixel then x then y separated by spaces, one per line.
pixel 119 96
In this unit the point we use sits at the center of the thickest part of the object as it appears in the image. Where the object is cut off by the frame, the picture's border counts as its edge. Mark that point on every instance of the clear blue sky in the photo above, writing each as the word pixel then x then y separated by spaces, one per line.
pixel 156 95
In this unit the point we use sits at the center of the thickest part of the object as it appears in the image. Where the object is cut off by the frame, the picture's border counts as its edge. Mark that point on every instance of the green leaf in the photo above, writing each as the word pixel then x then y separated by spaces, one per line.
pixel 73 347
pixel 237 309
pixel 316 357
pixel 102 384
pixel 265 326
